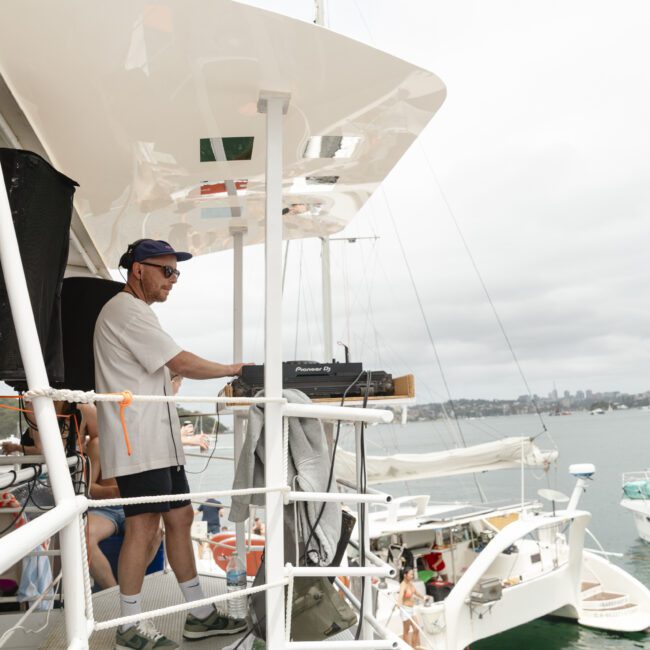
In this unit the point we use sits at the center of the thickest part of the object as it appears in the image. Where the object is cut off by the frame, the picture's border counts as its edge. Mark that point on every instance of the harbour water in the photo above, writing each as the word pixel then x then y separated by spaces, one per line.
pixel 616 442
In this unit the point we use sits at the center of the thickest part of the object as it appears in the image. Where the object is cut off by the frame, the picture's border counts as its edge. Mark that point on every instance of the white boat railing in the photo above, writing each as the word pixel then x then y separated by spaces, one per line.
pixel 639 475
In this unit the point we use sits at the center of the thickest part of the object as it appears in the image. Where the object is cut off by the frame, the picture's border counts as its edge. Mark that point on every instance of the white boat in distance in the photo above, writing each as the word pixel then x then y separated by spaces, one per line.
pixel 636 499
pixel 215 125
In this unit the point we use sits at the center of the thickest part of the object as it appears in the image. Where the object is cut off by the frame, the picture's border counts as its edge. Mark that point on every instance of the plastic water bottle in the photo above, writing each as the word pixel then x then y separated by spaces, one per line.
pixel 236 581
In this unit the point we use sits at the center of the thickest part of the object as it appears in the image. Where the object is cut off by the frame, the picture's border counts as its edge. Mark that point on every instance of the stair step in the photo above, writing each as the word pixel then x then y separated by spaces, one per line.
pixel 603 595
pixel 605 601
pixel 612 612
pixel 586 586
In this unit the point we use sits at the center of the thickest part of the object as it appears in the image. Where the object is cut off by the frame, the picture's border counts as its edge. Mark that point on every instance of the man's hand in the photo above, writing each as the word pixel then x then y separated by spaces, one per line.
pixel 187 430
pixel 10 447
pixel 189 365
pixel 235 368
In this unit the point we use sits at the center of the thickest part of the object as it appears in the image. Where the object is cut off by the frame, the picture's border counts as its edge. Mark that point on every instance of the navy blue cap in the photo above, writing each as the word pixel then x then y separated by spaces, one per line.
pixel 155 248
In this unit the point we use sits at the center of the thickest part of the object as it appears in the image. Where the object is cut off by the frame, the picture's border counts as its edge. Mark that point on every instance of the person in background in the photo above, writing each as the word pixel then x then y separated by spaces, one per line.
pixel 406 601
pixel 133 352
pixel 188 437
pixel 258 527
pixel 211 514
pixel 108 520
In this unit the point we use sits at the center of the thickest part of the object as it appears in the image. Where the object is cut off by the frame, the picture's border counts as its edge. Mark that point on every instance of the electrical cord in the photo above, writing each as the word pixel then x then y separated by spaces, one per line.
pixel 214 447
pixel 331 471
pixel 362 509
pixel 171 430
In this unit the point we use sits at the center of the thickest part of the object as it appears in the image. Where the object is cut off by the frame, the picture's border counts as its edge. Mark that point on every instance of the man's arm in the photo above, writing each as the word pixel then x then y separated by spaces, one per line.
pixel 193 367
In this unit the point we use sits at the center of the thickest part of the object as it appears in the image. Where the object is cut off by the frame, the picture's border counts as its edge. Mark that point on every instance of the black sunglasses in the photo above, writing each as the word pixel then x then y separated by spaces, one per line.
pixel 167 270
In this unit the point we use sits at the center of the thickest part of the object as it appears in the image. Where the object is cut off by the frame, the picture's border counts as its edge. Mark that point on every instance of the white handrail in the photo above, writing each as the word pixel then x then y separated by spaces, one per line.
pixel 28 473
pixel 339 497
pixel 341 645
pixel 383 631
pixel 87 397
pixel 18 543
pixel 328 571
pixel 319 411
pixel 347 413
pixel 182 607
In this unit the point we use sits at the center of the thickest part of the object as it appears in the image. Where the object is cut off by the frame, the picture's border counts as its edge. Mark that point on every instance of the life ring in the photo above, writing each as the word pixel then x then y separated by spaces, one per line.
pixel 224 544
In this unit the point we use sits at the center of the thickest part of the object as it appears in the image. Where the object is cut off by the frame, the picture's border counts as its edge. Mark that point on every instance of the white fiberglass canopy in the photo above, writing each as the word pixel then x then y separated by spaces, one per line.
pixel 152 109
pixel 507 453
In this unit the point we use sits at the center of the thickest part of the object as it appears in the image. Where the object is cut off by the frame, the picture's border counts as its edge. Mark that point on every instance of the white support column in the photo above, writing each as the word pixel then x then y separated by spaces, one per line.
pixel 274 105
pixel 32 358
pixel 326 273
pixel 366 630
pixel 237 357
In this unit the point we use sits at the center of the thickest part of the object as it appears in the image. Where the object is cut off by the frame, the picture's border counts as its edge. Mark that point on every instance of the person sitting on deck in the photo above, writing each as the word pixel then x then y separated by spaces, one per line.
pixel 40 495
pixel 108 520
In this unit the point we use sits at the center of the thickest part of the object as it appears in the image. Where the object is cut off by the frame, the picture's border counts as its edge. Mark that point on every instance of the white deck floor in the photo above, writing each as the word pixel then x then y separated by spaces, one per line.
pixel 159 590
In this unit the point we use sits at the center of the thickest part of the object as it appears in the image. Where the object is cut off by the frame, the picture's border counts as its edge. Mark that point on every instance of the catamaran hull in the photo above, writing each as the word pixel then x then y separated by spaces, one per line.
pixel 640 510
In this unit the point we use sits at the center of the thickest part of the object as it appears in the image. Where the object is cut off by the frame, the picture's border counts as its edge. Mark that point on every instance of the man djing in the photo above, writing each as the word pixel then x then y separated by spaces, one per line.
pixel 134 353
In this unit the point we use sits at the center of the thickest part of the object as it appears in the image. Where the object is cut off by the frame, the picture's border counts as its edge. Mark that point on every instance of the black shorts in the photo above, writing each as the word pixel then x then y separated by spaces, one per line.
pixel 168 480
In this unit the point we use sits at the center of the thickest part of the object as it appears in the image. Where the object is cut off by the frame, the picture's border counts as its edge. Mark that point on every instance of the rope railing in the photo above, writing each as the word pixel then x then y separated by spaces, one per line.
pixel 89 397
pixel 173 609
pixel 32 608
pixel 160 498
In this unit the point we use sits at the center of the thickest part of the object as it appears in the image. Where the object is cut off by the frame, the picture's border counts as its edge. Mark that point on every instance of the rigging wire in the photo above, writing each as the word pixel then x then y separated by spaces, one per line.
pixel 431 339
pixel 485 290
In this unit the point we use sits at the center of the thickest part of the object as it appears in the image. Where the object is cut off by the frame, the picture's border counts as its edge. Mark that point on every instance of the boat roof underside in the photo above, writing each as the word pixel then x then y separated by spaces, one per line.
pixel 152 109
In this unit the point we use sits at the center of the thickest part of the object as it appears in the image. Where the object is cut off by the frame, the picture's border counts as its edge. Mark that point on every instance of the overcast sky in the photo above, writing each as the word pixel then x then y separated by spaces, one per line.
pixel 542 152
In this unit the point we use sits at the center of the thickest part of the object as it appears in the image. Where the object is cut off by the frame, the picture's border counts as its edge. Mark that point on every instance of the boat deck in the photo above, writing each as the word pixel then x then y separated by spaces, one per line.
pixel 159 590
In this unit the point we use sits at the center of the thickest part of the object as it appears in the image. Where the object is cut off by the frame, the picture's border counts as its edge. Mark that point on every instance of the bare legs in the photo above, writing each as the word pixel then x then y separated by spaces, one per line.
pixel 141 533
pixel 99 528
pixel 178 525
pixel 410 633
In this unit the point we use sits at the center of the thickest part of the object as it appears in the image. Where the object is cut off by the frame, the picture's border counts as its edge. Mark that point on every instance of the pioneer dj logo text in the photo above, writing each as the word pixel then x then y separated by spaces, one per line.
pixel 314 369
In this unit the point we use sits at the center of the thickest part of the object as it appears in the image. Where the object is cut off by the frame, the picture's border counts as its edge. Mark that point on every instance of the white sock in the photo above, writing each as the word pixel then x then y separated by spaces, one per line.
pixel 192 591
pixel 130 605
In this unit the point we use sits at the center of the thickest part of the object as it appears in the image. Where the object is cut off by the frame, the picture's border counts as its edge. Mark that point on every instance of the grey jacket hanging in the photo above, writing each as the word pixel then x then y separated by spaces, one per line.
pixel 309 464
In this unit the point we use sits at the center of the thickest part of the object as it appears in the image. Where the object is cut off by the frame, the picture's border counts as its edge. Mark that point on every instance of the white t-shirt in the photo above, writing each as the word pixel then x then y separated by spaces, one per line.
pixel 131 350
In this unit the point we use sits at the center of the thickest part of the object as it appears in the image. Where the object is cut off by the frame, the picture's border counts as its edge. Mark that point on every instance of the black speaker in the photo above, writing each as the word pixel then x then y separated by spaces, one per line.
pixel 81 301
pixel 41 207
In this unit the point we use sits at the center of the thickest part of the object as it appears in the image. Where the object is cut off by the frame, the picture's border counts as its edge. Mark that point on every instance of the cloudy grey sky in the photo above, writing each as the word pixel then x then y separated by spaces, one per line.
pixel 541 152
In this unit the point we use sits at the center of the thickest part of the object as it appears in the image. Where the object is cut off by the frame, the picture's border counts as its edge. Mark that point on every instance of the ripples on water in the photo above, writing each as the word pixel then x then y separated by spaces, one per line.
pixel 616 442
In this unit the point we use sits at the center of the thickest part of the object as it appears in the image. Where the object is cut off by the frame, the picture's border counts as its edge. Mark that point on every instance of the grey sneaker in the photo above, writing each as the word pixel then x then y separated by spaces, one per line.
pixel 144 636
pixel 213 624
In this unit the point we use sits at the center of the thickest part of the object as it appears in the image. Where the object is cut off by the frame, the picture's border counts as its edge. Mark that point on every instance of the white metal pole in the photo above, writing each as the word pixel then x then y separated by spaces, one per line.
pixel 328 349
pixel 366 632
pixel 320 12
pixel 32 358
pixel 273 104
pixel 237 357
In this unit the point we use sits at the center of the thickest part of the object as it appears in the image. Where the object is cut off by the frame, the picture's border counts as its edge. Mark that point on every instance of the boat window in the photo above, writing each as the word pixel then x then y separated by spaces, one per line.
pixel 219 149
pixel 331 146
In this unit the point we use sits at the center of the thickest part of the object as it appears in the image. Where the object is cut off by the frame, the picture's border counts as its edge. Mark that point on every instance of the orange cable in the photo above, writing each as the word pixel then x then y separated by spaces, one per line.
pixel 127 398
